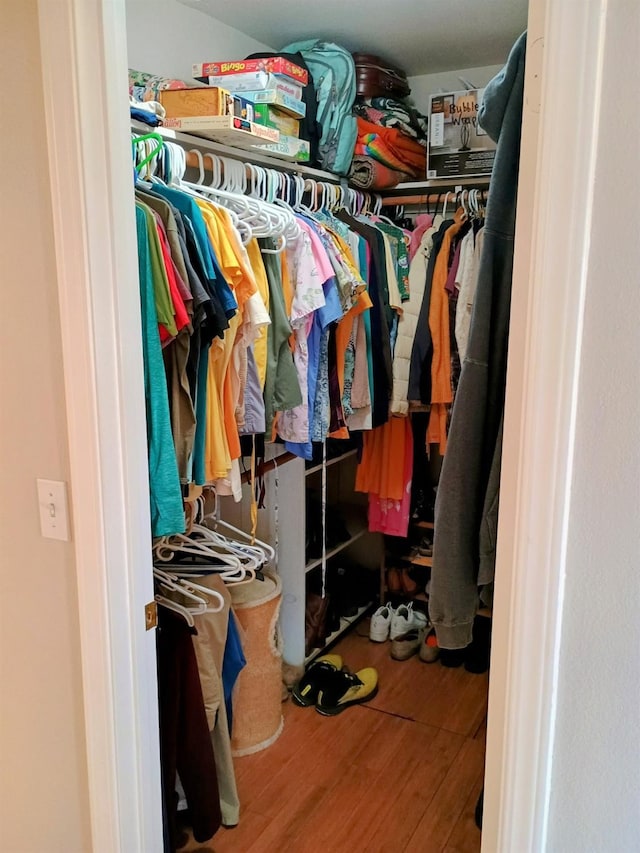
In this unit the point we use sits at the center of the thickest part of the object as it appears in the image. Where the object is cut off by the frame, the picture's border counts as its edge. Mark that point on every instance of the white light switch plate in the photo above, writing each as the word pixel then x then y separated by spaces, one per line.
pixel 54 513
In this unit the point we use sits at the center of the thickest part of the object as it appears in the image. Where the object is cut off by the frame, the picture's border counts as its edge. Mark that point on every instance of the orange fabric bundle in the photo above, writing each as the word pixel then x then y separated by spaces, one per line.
pixel 391 147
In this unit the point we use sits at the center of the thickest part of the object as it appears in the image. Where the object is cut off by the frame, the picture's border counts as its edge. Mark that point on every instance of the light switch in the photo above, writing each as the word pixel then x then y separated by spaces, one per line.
pixel 54 512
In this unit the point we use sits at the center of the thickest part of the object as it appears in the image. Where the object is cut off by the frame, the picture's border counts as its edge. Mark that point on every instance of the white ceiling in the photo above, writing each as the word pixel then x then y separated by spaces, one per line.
pixel 421 36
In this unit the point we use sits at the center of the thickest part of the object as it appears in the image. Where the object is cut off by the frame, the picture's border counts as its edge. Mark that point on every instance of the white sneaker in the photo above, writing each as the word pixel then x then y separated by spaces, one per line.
pixel 380 624
pixel 404 619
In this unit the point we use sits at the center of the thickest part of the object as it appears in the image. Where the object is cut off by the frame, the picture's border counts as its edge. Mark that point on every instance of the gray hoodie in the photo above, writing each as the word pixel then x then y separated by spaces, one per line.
pixel 467 500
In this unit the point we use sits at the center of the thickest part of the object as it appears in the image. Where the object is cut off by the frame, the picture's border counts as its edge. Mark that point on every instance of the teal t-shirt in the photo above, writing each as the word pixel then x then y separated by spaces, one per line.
pixel 167 512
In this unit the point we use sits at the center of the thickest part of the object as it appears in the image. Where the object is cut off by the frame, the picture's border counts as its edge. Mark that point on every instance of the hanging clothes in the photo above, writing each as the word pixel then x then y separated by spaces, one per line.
pixel 185 744
pixel 210 644
pixel 385 472
pixel 467 502
pixel 167 514
pixel 441 395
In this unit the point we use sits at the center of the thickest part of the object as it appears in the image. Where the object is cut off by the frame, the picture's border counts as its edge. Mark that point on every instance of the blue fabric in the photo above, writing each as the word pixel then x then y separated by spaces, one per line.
pixel 188 207
pixel 322 318
pixel 145 116
pixel 393 334
pixel 199 477
pixel 167 513
pixel 364 273
pixel 233 663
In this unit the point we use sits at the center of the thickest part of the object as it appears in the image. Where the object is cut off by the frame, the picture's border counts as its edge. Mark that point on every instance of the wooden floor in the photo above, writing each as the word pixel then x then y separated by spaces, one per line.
pixel 402 773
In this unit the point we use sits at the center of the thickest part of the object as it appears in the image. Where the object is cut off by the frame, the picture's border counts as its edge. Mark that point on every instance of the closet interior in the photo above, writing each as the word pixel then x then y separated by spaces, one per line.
pixel 324 321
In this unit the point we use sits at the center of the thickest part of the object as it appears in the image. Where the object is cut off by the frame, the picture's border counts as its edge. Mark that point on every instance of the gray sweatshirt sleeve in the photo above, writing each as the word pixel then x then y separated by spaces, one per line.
pixel 467 499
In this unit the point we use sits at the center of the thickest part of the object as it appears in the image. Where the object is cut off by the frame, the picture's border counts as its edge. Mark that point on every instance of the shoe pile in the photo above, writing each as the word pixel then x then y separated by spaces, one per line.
pixel 332 688
pixel 409 630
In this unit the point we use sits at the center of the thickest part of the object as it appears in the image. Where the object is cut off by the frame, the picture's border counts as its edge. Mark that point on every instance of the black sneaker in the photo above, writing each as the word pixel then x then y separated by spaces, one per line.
pixel 343 689
pixel 305 693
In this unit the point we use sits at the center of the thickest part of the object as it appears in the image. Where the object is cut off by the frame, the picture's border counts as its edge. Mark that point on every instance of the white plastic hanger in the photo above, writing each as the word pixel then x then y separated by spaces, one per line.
pixel 213 522
pixel 189 589
pixel 167 546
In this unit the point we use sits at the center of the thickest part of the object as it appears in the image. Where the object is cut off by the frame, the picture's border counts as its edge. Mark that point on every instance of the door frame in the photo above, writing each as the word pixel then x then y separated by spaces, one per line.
pixel 83 51
pixel 84 62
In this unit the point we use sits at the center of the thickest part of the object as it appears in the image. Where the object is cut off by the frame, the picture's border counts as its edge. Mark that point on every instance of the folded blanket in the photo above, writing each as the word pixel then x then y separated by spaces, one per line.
pixel 391 147
pixel 388 112
pixel 369 174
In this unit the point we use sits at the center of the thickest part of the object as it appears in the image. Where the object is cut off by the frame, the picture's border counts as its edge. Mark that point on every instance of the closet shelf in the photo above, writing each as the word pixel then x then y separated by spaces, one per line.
pixel 423 525
pixel 346 622
pixel 420 561
pixel 191 140
pixel 444 184
pixel 224 130
pixel 333 461
pixel 313 564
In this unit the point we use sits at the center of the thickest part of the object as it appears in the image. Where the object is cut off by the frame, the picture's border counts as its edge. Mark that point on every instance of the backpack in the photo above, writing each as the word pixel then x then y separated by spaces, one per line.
pixel 334 77
pixel 309 127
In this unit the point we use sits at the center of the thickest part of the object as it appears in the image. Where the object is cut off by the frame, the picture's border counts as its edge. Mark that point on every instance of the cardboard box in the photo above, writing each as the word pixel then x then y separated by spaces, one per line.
pixel 253 80
pixel 242 108
pixel 272 117
pixel 229 129
pixel 458 147
pixel 290 106
pixel 290 148
pixel 203 101
pixel 272 65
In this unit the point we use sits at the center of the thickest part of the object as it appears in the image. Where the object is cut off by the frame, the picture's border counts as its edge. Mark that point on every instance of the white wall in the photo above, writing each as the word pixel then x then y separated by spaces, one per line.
pixel 43 777
pixel 448 81
pixel 595 797
pixel 164 37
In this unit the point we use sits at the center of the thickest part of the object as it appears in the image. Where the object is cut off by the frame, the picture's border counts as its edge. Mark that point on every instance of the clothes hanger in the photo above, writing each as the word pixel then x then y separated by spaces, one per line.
pixel 249 557
pixel 242 225
pixel 189 588
pixel 252 554
pixel 136 140
pixel 187 612
pixel 177 608
pixel 167 546
pixel 214 516
pixel 274 221
pixel 292 228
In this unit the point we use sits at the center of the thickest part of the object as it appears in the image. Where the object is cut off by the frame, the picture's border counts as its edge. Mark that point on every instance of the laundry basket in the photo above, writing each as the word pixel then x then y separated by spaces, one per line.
pixel 257 696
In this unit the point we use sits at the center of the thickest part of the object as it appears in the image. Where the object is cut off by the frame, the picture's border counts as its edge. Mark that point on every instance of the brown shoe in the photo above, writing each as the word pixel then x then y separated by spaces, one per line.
pixel 394 584
pixel 409 586
pixel 315 628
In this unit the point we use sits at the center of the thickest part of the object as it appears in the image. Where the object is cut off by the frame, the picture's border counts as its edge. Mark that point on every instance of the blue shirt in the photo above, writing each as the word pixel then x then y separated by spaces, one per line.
pixel 186 204
pixel 167 513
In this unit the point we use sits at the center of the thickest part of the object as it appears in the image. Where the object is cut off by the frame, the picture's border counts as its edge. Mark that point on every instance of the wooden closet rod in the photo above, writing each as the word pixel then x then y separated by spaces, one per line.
pixel 278 462
pixel 432 198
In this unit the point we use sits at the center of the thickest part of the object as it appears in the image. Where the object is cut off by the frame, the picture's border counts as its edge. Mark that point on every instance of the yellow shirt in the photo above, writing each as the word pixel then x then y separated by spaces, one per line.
pixel 260 345
pixel 217 450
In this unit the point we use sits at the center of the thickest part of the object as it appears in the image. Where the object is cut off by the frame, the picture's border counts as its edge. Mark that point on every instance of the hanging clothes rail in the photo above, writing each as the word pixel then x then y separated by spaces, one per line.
pixel 324 186
pixel 187 140
pixel 404 194
pixel 436 197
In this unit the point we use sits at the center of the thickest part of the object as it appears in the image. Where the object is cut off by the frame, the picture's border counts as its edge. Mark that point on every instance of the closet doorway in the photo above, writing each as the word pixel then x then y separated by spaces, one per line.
pixel 118 657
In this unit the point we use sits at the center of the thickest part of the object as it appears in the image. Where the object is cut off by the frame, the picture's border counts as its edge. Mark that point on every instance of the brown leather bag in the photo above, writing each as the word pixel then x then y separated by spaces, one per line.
pixel 375 78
